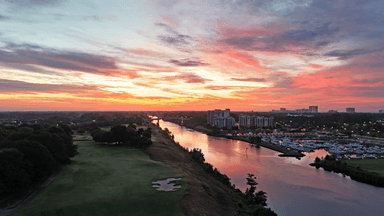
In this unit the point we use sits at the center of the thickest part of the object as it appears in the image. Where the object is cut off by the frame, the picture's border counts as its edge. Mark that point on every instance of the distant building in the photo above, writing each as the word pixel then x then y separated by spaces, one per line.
pixel 381 111
pixel 332 111
pixel 283 109
pixel 313 109
pixel 220 118
pixel 248 121
pixel 350 110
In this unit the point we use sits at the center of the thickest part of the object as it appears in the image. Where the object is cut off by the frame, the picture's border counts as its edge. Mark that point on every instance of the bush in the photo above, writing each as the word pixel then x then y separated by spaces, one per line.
pixel 261 211
pixel 197 155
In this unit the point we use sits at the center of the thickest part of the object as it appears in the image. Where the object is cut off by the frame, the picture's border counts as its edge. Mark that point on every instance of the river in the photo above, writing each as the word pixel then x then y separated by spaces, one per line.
pixel 293 187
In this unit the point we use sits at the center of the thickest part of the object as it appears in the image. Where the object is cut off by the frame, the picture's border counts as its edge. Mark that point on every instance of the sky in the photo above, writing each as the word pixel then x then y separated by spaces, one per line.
pixel 138 55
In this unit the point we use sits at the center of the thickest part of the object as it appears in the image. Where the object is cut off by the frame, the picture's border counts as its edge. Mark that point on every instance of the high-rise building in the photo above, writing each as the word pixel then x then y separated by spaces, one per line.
pixel 313 109
pixel 350 110
pixel 220 118
pixel 381 111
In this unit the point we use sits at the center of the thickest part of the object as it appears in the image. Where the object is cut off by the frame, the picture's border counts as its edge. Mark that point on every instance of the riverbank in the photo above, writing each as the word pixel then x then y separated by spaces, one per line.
pixel 204 195
pixel 369 171
pixel 285 152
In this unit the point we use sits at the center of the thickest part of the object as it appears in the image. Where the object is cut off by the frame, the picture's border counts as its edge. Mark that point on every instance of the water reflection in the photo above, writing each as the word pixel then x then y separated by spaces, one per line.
pixel 293 187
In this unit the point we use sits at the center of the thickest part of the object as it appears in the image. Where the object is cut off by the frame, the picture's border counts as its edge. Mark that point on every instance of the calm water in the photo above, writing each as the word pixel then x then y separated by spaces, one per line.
pixel 293 187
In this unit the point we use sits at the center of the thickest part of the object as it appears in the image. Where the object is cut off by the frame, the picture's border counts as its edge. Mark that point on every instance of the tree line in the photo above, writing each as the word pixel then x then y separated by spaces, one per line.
pixel 122 135
pixel 29 153
pixel 329 163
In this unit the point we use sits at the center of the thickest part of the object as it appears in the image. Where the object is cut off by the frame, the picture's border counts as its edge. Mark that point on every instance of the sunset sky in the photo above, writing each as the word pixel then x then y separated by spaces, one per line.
pixel 191 55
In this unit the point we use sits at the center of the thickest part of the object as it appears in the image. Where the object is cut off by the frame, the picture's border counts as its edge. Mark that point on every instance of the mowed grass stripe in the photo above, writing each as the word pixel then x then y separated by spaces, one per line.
pixel 372 165
pixel 106 180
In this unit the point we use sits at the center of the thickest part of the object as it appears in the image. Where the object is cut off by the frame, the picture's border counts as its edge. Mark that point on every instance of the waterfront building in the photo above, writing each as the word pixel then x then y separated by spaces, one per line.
pixel 220 118
pixel 247 121
pixel 350 110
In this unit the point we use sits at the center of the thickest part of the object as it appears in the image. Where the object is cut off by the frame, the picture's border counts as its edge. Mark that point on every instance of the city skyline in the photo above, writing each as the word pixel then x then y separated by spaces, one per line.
pixel 191 55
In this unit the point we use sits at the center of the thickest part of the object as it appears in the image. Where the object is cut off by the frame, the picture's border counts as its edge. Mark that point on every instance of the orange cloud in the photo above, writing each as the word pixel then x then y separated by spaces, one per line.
pixel 144 52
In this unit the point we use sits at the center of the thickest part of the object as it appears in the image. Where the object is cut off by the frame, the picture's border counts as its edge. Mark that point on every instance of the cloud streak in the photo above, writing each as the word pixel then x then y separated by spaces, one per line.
pixel 187 63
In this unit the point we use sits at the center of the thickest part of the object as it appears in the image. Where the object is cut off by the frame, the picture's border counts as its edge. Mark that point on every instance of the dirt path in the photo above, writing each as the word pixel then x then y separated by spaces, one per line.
pixel 18 205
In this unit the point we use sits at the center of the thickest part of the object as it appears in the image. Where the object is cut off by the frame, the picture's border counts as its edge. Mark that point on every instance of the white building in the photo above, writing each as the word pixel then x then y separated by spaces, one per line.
pixel 248 121
pixel 220 118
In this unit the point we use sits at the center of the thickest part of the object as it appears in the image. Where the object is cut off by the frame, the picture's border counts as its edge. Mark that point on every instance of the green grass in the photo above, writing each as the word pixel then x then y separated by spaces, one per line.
pixel 371 165
pixel 108 181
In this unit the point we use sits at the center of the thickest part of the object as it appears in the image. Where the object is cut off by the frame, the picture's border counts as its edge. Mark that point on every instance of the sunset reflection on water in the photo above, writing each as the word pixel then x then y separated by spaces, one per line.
pixel 293 187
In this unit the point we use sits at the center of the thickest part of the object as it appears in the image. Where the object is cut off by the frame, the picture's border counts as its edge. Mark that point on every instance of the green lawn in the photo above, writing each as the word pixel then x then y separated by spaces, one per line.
pixel 108 181
pixel 372 165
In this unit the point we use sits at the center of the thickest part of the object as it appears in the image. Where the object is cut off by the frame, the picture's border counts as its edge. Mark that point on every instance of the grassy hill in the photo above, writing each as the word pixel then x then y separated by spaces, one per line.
pixel 104 180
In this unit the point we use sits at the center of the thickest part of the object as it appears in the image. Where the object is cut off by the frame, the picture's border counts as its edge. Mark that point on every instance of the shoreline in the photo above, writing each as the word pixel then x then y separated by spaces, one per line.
pixel 285 152
pixel 356 173
pixel 217 194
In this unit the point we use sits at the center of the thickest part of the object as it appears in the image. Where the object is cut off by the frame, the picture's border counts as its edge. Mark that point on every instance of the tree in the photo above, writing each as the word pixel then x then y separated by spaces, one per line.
pixel 42 161
pixel 253 198
pixel 81 131
pixel 13 173
pixel 54 144
pixel 119 133
pixel 140 131
pixel 66 128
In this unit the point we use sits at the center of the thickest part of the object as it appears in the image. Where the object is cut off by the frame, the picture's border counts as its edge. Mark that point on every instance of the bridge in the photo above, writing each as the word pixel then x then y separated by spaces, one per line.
pixel 165 118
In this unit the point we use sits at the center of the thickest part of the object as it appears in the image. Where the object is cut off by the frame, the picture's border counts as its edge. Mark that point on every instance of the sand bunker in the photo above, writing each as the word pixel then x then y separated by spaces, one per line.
pixel 164 185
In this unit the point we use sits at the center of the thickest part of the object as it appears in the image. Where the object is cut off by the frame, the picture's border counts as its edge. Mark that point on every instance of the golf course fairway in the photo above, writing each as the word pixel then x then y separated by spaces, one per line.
pixel 108 180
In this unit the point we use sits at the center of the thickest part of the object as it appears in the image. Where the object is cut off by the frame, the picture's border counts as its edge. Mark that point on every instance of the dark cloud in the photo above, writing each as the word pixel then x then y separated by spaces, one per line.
pixel 346 54
pixel 191 78
pixel 249 79
pixel 241 42
pixel 29 68
pixel 174 38
pixel 12 86
pixel 188 63
pixel 177 40
pixel 3 17
pixel 35 55
pixel 303 35
pixel 306 36
pixel 32 3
